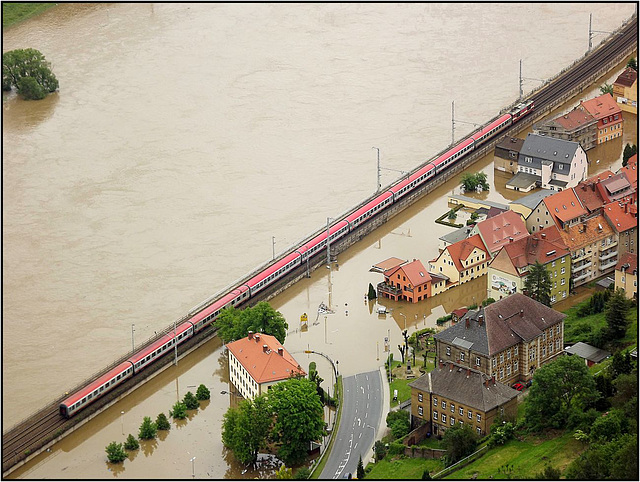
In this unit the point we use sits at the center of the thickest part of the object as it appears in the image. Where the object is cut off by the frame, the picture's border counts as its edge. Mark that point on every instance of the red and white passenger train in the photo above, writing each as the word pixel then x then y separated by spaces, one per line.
pixel 298 257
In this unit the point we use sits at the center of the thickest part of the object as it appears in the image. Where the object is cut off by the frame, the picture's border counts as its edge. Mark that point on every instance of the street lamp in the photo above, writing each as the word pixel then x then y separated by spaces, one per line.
pixel 133 345
pixel 405 320
pixel 122 420
pixel 193 467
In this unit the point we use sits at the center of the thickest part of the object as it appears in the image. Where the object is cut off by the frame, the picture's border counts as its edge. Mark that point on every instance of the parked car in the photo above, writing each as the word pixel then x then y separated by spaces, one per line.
pixel 518 386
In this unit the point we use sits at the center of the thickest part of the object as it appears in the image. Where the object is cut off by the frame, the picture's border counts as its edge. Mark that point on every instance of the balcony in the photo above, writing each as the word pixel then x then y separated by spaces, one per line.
pixel 609 264
pixel 579 257
pixel 607 246
pixel 580 267
pixel 577 279
pixel 385 289
pixel 608 255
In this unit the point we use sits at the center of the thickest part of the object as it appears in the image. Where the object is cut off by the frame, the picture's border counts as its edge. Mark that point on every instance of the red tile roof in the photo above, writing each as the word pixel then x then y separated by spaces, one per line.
pixel 602 106
pixel 264 365
pixel 527 251
pixel 499 230
pixel 627 78
pixel 575 119
pixel 564 205
pixel 387 264
pixel 462 249
pixel 581 234
pixel 615 187
pixel 631 171
pixel 630 259
pixel 414 271
pixel 621 215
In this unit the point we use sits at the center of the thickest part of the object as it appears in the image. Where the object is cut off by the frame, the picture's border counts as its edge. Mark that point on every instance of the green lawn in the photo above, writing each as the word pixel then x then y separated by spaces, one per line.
pixel 403 468
pixel 13 13
pixel 525 458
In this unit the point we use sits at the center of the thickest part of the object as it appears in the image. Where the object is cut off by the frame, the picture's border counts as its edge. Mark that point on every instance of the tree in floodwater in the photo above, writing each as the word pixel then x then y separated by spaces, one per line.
pixel 234 324
pixel 115 452
pixel 29 72
pixel 131 443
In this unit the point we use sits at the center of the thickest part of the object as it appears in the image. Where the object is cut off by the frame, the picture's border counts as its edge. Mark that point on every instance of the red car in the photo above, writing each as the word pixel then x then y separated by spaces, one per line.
pixel 518 386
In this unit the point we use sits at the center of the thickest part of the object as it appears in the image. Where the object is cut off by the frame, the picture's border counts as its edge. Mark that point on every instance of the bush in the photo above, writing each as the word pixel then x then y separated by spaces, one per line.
pixel 148 429
pixel 162 422
pixel 303 473
pixel 203 393
pixel 190 401
pixel 115 452
pixel 131 443
pixel 501 433
pixel 379 449
pixel 29 88
pixel 179 411
pixel 396 448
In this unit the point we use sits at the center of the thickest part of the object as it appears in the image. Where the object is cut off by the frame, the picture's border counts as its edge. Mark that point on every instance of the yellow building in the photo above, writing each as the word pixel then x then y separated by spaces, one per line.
pixel 459 263
pixel 627 275
pixel 625 90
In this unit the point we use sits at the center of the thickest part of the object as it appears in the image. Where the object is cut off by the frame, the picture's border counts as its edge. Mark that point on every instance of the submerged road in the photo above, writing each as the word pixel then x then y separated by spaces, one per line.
pixel 361 414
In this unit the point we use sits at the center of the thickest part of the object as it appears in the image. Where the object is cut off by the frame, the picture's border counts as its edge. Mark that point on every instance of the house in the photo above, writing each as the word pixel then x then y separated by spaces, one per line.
pixel 499 230
pixel 627 275
pixel 593 246
pixel 609 115
pixel 459 263
pixel 454 395
pixel 615 187
pixel 625 90
pixel 459 234
pixel 577 125
pixel 410 282
pixel 258 361
pixel 622 216
pixel 508 339
pixel 507 272
pixel 528 203
pixel 590 354
pixel 505 155
pixel 631 171
pixel 562 209
pixel 589 195
pixel 554 163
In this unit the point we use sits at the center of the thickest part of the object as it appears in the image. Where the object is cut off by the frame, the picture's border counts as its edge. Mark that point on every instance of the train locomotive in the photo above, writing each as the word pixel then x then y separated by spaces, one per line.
pixel 147 355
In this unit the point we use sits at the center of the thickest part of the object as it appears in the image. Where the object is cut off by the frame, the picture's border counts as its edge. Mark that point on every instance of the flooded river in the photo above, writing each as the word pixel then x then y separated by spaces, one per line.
pixel 186 137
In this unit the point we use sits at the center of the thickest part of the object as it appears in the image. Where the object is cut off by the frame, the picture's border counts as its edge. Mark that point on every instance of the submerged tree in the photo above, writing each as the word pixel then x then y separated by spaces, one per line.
pixel 29 72
pixel 115 452
pixel 131 443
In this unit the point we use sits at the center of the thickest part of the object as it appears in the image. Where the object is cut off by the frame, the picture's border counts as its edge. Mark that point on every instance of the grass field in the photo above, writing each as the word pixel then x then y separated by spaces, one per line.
pixel 525 458
pixel 13 13
pixel 403 468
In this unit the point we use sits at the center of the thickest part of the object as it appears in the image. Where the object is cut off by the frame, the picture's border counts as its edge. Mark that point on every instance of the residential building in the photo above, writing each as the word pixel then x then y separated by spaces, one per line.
pixel 577 125
pixel 452 395
pixel 627 275
pixel 258 361
pixel 459 263
pixel 589 195
pixel 508 339
pixel 409 282
pixel 631 171
pixel 622 216
pixel 528 203
pixel 615 187
pixel 593 246
pixel 459 234
pixel 499 230
pixel 562 209
pixel 609 115
pixel 508 271
pixel 505 155
pixel 554 163
pixel 625 90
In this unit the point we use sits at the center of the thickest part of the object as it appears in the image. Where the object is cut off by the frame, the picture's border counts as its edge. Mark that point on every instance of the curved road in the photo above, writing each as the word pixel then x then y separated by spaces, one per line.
pixel 363 401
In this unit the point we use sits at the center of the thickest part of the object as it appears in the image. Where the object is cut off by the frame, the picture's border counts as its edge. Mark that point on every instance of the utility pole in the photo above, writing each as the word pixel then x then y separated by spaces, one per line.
pixel 526 78
pixel 133 345
pixel 453 123
pixel 273 246
pixel 378 185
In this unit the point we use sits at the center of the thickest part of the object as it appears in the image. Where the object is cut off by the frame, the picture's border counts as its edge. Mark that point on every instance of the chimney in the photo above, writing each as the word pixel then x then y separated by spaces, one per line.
pixel 510 239
pixel 493 380
pixel 521 313
pixel 543 235
pixel 441 364
pixel 451 366
pixel 480 319
pixel 265 348
pixel 468 372
pixel 280 351
pixel 257 337
pixel 467 322
pixel 250 335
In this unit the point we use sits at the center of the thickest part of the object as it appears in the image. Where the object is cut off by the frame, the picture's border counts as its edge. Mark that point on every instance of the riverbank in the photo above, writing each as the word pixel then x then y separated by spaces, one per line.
pixel 14 13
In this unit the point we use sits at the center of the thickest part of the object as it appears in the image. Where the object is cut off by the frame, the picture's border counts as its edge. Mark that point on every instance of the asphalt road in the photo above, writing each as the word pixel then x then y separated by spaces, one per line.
pixel 361 413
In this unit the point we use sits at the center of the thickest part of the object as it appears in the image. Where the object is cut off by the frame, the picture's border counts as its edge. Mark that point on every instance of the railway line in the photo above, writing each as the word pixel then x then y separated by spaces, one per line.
pixel 46 426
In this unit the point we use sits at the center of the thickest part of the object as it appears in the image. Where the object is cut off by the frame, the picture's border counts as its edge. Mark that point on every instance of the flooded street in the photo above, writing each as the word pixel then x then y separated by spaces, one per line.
pixel 129 197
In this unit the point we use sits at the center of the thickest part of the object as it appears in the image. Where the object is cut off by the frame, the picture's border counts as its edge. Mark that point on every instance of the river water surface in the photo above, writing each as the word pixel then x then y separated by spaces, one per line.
pixel 186 137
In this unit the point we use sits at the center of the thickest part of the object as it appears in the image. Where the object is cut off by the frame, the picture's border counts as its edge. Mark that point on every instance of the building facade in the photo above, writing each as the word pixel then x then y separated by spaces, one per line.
pixel 459 263
pixel 576 126
pixel 627 275
pixel 454 395
pixel 409 282
pixel 625 91
pixel 506 154
pixel 622 216
pixel 609 115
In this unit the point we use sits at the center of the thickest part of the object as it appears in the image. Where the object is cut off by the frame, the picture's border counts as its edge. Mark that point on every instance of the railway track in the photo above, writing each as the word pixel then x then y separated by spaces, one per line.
pixel 45 426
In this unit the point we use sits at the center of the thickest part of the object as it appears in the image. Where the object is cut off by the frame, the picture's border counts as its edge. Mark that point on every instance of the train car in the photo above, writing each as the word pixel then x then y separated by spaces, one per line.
pixel 492 129
pixel 273 272
pixel 522 109
pixel 211 312
pixel 160 347
pixel 320 241
pixel 370 209
pixel 453 154
pixel 90 393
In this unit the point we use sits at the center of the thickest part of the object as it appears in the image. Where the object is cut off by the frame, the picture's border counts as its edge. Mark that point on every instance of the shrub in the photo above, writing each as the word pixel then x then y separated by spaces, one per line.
pixel 179 411
pixel 162 422
pixel 190 401
pixel 203 393
pixel 501 433
pixel 303 473
pixel 148 429
pixel 115 452
pixel 131 443
pixel 30 89
pixel 379 449
pixel 396 448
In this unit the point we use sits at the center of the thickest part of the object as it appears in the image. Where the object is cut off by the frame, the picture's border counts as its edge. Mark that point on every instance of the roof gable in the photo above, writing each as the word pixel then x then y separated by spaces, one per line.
pixel 502 229
pixel 602 106
pixel 564 205
pixel 463 249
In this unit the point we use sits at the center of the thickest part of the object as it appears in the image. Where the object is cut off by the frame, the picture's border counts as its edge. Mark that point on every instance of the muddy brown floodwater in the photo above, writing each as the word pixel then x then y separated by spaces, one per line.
pixel 186 136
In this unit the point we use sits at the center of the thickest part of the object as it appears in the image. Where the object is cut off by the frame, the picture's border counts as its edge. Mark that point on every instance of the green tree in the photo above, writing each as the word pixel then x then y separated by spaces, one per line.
pixel 472 181
pixel 501 433
pixel 190 401
pixel 131 443
pixel 234 324
pixel 203 393
pixel 162 422
pixel 317 379
pixel 284 473
pixel 19 65
pixel 115 452
pixel 298 418
pixel 426 475
pixel 606 89
pixel 398 422
pixel 360 469
pixel 148 429
pixel 561 388
pixel 245 428
pixel 616 315
pixel 633 63
pixel 179 411
pixel 303 473
pixel 459 441
pixel 537 284
pixel 452 214
pixel 606 428
pixel 379 449
pixel 629 150
pixel 549 473
pixel 372 292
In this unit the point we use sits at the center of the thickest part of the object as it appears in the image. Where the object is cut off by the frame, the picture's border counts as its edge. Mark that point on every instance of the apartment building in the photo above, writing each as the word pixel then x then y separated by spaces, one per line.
pixel 609 115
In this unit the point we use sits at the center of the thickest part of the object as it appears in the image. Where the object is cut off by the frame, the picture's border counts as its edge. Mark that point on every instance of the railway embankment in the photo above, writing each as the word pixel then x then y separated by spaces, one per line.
pixel 570 82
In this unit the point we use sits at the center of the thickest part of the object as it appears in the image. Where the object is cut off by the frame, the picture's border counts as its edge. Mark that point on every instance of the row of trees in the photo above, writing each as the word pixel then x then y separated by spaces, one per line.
pixel 289 415
pixel 149 429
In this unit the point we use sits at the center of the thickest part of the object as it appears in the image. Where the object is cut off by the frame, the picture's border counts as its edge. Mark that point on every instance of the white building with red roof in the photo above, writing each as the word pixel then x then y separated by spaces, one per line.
pixel 459 263
pixel 258 361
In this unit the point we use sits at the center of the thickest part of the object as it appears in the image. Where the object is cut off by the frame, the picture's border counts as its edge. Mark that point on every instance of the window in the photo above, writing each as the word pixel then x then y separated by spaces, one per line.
pixel 435 415
pixel 515 350
pixel 469 414
pixel 494 362
pixel 479 430
pixel 501 373
pixel 453 420
pixel 448 351
pixel 562 281
pixel 443 417
pixel 544 350
pixel 453 408
pixel 461 356
pixel 558 329
pixel 477 361
pixel 515 366
pixel 508 370
pixel 478 417
pixel 461 411
pixel 435 401
pixel 420 411
pixel 509 354
pixel 501 357
pixel 553 264
pixel 550 347
pixel 444 405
